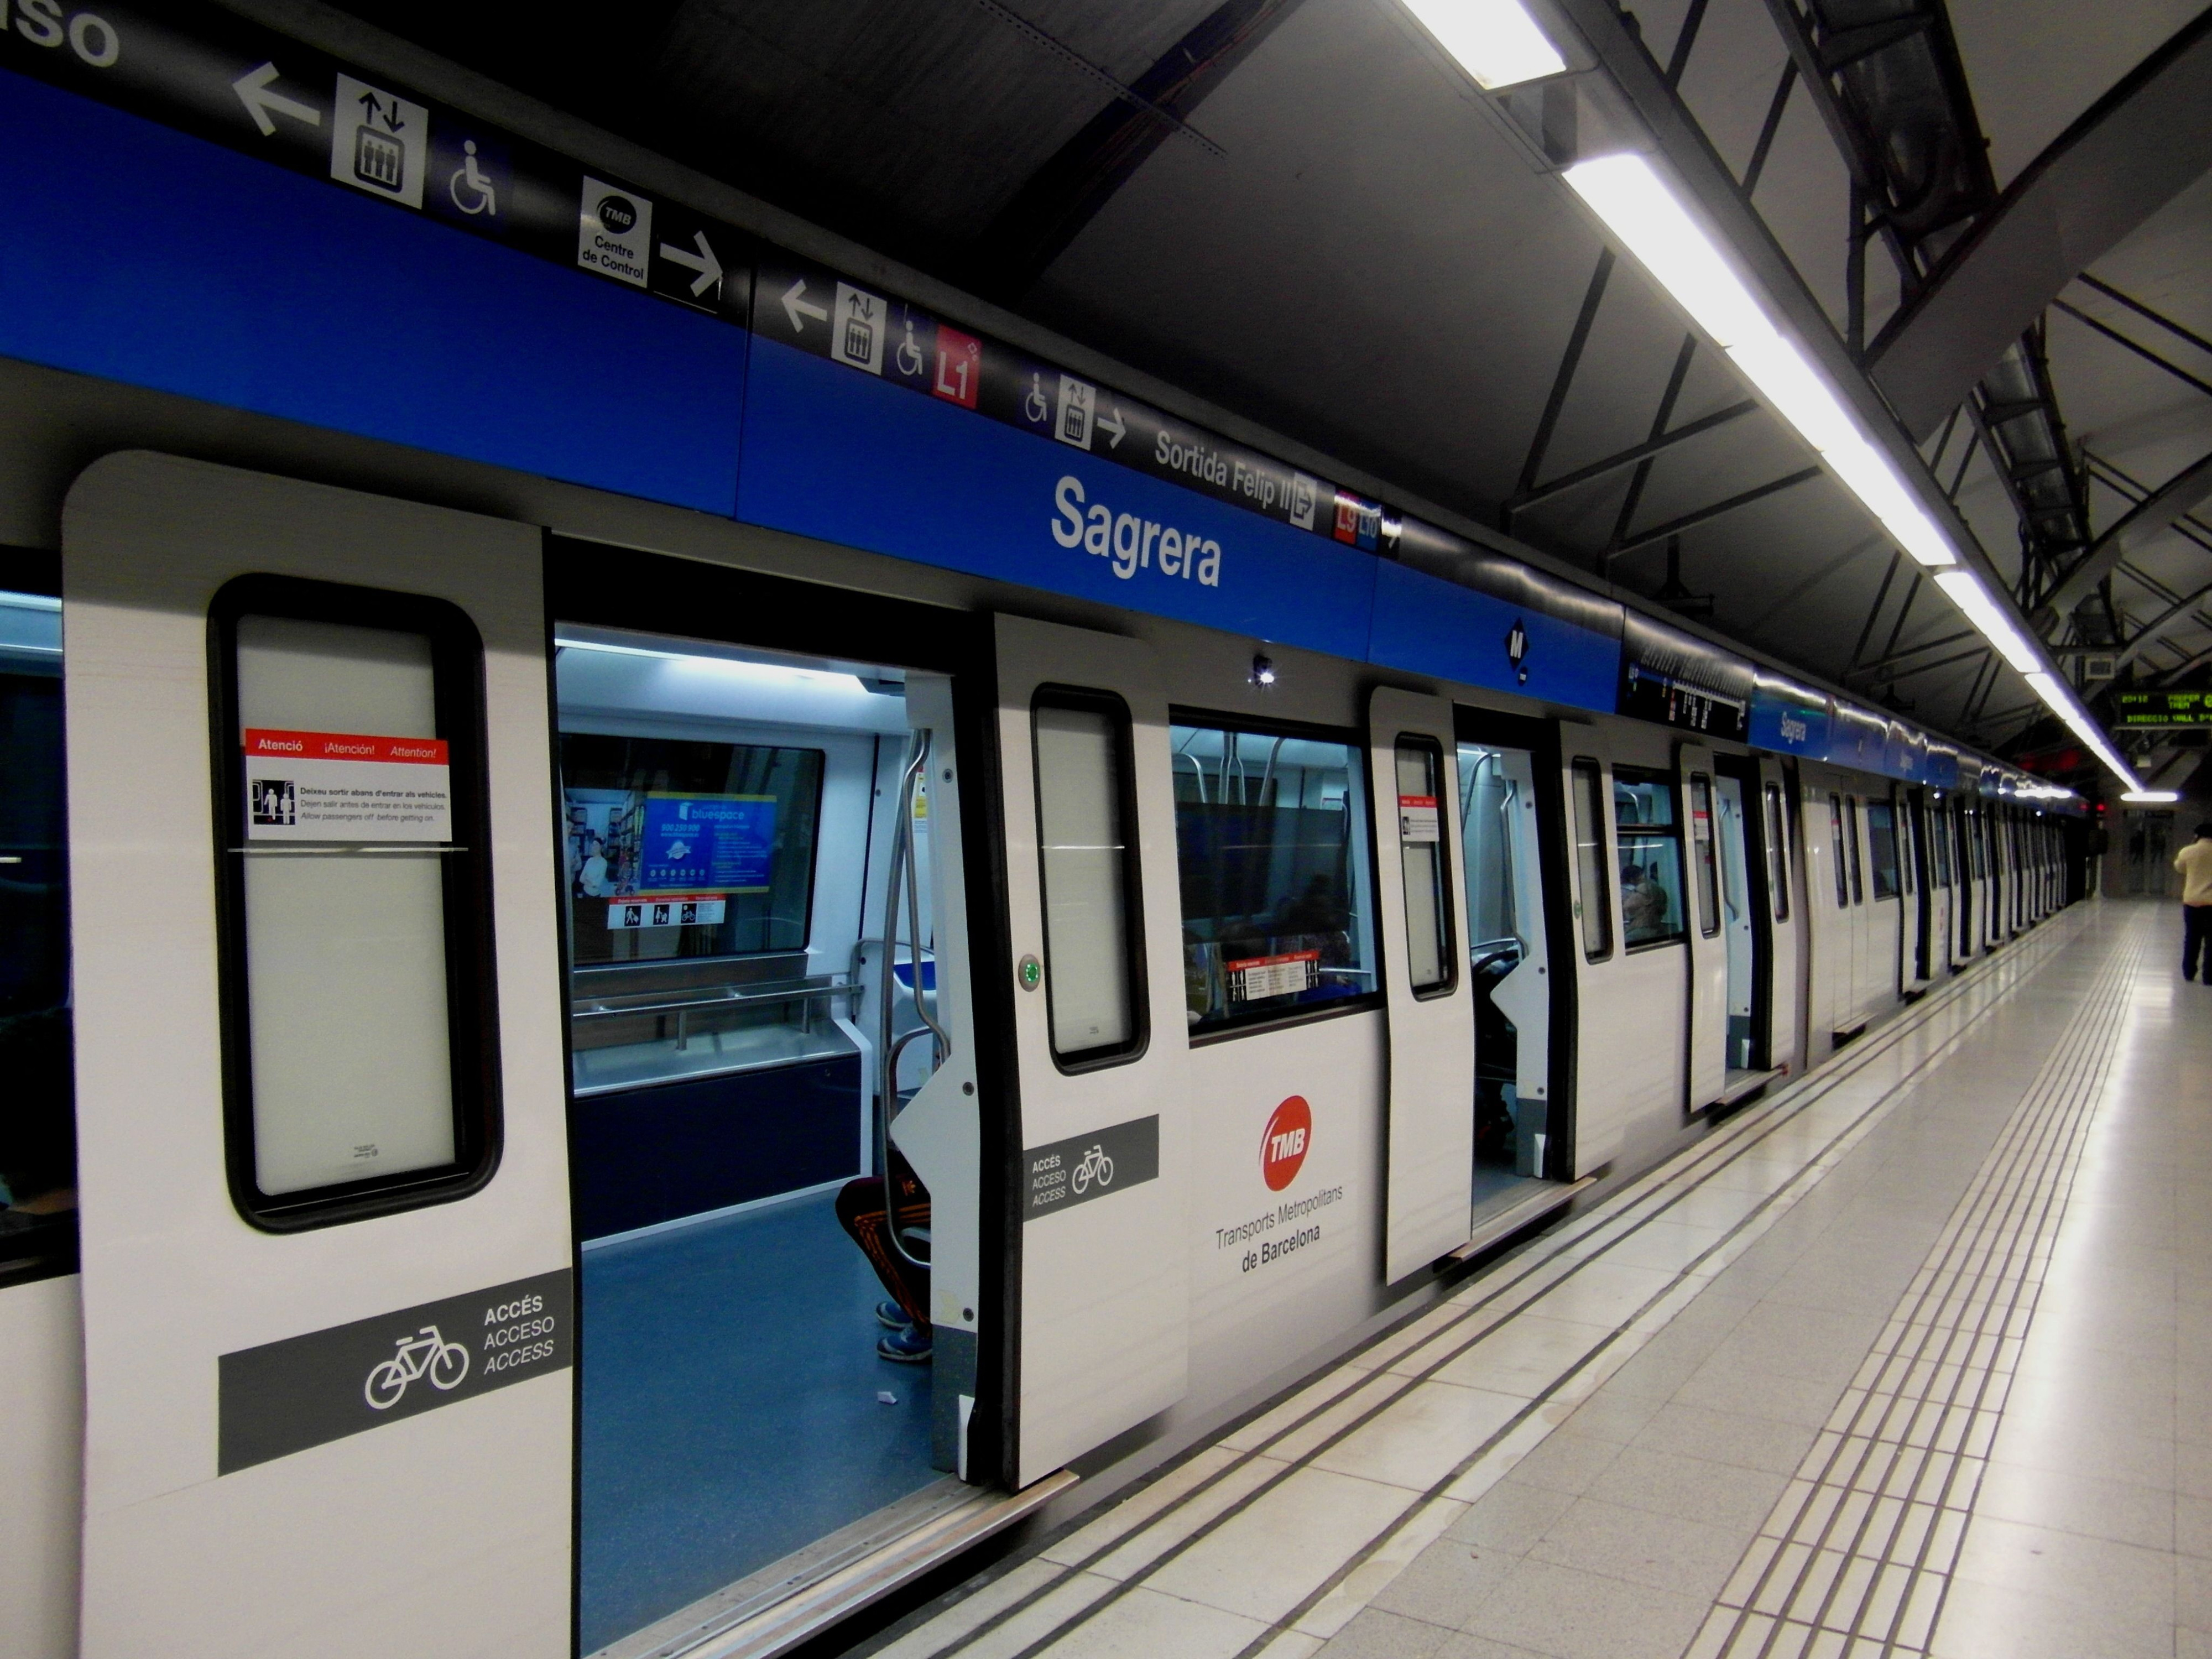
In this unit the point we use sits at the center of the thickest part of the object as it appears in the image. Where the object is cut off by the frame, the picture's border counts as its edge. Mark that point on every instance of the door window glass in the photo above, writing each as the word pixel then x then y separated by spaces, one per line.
pixel 1083 788
pixel 38 1130
pixel 1702 854
pixel 355 988
pixel 1851 847
pixel 1596 902
pixel 1271 850
pixel 1881 834
pixel 1421 846
pixel 1777 835
pixel 1648 852
pixel 1836 845
pixel 1939 842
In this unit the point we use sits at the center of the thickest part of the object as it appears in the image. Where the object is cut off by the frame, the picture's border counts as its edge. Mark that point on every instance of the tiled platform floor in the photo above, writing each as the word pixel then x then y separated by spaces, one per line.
pixel 1650 1431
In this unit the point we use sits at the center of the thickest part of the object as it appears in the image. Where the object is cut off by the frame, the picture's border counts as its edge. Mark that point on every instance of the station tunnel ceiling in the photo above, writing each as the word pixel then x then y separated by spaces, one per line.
pixel 1303 211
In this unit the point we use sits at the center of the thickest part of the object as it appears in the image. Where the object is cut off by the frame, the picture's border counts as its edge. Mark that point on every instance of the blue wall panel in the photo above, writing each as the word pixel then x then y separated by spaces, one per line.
pixel 143 255
pixel 1429 626
pixel 842 456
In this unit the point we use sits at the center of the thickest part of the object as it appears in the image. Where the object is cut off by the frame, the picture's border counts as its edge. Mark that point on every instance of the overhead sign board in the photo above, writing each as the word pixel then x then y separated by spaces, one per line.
pixel 215 75
pixel 2163 707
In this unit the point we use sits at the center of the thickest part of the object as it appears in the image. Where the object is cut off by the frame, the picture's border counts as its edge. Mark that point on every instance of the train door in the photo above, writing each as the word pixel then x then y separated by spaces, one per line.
pixel 1889 890
pixel 1421 916
pixel 1839 935
pixel 1936 948
pixel 1504 828
pixel 1745 931
pixel 1101 1012
pixel 1966 864
pixel 326 1274
pixel 1706 1078
pixel 42 1342
pixel 774 1062
pixel 1779 1028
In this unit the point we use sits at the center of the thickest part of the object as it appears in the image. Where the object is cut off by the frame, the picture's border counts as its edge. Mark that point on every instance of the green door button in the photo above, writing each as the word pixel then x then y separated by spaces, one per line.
pixel 1030 973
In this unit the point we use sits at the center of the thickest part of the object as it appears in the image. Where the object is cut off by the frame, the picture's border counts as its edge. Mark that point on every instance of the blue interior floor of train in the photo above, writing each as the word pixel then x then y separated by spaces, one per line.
pixel 732 1407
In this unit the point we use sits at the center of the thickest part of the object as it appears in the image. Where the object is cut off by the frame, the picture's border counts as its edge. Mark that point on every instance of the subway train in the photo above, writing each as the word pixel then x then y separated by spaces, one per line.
pixel 667 960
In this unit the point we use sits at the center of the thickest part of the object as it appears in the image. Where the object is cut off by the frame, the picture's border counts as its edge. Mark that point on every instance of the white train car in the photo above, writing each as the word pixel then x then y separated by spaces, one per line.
pixel 666 989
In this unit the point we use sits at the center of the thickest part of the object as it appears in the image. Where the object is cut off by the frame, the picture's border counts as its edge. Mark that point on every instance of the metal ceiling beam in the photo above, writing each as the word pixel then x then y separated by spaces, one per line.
pixel 2154 514
pixel 1062 197
pixel 1629 457
pixel 1707 514
pixel 1621 53
pixel 2125 158
pixel 2150 631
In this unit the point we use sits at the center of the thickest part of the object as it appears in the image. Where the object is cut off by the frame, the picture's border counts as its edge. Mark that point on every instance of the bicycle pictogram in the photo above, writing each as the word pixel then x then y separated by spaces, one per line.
pixel 1094 1166
pixel 427 1354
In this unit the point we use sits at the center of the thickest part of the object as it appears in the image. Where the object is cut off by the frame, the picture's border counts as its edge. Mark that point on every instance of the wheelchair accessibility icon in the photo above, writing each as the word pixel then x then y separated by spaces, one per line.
pixel 471 191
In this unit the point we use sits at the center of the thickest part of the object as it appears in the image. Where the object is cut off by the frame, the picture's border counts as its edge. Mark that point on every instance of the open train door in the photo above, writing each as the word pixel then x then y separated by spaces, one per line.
pixel 1779 863
pixel 322 1146
pixel 1099 1035
pixel 1707 1079
pixel 1421 917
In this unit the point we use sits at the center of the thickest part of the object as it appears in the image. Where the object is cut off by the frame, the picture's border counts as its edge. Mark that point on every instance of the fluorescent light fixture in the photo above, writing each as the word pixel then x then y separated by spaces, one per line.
pixel 1965 591
pixel 2151 797
pixel 1637 205
pixel 2047 687
pixel 1496 41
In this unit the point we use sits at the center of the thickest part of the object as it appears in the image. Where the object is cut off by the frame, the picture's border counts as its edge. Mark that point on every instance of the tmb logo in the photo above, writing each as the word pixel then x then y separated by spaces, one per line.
pixel 1283 1149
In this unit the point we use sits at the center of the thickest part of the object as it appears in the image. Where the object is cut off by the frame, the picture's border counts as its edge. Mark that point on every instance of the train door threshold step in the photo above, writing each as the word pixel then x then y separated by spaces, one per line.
pixel 1499 1225
pixel 1742 1084
pixel 800 1597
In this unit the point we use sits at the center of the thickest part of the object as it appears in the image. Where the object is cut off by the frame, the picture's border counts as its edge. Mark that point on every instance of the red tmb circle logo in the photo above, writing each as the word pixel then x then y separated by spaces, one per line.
pixel 1290 1131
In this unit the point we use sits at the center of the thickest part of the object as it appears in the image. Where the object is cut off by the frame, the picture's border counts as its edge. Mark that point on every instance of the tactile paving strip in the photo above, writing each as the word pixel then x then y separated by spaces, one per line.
pixel 1856 1557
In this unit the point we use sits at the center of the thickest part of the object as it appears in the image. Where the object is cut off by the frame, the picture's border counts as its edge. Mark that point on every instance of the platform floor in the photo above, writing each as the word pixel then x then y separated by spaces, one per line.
pixel 1914 1357
pixel 732 1408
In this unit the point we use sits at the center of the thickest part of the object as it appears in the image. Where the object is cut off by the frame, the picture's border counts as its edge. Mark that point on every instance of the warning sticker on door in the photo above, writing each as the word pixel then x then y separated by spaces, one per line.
pixel 1418 820
pixel 338 785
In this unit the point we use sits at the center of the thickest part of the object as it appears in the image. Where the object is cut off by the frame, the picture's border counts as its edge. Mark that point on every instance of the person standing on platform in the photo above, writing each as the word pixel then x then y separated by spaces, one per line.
pixel 2194 863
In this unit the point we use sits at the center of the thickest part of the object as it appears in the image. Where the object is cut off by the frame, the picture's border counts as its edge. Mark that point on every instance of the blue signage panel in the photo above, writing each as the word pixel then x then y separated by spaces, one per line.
pixel 1431 626
pixel 707 844
pixel 166 261
pixel 837 453
pixel 1788 718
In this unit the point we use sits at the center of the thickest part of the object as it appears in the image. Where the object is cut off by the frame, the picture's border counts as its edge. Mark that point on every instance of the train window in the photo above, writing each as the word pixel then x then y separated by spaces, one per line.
pixel 1085 794
pixel 1881 833
pixel 682 847
pixel 1836 844
pixel 1421 846
pixel 1702 854
pixel 359 1068
pixel 1939 843
pixel 1648 852
pixel 1596 905
pixel 1852 848
pixel 1271 849
pixel 1777 853
pixel 38 1131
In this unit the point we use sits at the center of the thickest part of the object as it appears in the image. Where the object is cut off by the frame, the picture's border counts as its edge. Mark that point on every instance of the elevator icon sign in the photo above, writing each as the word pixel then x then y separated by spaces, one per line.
pixel 379 142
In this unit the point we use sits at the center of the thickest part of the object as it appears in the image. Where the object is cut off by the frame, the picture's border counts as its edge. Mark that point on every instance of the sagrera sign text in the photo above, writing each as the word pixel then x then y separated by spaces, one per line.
pixel 1133 543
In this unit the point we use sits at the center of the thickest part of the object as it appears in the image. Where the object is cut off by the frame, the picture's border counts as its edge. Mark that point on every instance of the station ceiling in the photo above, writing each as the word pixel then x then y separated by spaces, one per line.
pixel 1305 212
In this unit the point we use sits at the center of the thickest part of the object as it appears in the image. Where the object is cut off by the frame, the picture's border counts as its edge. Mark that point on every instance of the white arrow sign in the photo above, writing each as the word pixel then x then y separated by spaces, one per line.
pixel 704 262
pixel 253 90
pixel 1115 428
pixel 795 306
